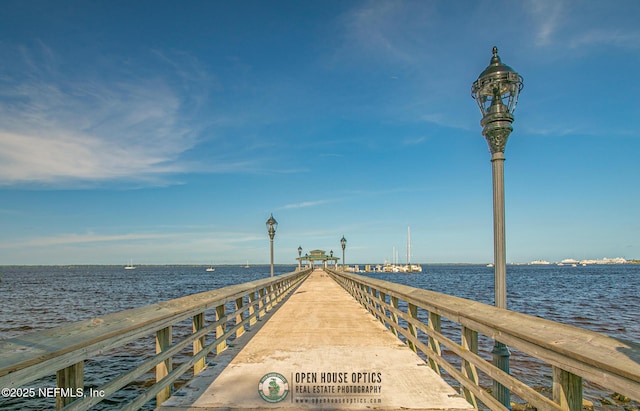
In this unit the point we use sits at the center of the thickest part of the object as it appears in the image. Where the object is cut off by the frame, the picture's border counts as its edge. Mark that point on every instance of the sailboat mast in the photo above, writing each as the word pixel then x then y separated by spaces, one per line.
pixel 408 245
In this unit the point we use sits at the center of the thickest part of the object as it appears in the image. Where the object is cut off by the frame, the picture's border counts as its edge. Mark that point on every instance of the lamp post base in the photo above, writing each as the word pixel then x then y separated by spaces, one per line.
pixel 501 356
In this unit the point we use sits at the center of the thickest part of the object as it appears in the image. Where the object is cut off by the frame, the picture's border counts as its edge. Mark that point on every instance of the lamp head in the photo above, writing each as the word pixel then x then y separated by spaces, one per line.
pixel 496 91
pixel 272 225
pixel 497 88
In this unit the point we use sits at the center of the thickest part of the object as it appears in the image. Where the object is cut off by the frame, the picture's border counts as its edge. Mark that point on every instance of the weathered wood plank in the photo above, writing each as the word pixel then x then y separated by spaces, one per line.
pixel 71 379
pixel 198 343
pixel 469 341
pixel 163 342
pixel 567 390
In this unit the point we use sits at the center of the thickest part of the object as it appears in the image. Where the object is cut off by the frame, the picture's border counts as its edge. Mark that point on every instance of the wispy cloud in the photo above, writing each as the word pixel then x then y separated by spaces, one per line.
pixel 412 141
pixel 546 14
pixel 305 204
pixel 371 29
pixel 57 129
pixel 563 24
pixel 89 238
pixel 629 39
pixel 390 33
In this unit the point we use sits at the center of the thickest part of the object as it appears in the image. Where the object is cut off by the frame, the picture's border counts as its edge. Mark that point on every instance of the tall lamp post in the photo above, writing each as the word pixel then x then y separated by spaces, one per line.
pixel 343 243
pixel 299 257
pixel 272 224
pixel 496 91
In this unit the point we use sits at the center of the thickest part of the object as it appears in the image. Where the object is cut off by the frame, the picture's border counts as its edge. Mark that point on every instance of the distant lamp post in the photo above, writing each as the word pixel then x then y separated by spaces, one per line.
pixel 343 243
pixel 496 91
pixel 272 224
pixel 299 257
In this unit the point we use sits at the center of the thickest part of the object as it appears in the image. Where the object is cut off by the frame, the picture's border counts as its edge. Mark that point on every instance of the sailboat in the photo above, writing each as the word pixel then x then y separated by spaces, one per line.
pixel 247 266
pixel 397 268
pixel 130 266
pixel 210 268
pixel 412 268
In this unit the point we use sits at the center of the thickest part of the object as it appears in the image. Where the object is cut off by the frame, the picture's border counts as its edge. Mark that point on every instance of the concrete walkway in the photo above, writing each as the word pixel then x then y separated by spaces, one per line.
pixel 324 351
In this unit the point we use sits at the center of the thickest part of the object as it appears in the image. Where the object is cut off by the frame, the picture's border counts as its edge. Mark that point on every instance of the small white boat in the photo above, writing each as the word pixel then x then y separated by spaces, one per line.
pixel 210 268
pixel 247 266
pixel 130 266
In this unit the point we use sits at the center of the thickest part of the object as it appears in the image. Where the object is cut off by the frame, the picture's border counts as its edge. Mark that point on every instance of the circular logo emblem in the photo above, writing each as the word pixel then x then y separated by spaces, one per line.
pixel 273 387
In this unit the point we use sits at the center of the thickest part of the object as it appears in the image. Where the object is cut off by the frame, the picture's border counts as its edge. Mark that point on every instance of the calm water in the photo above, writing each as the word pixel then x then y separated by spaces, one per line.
pixel 605 299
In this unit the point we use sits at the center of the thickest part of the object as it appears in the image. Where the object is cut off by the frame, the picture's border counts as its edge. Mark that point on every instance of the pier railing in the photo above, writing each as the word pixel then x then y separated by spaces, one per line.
pixel 573 354
pixel 62 351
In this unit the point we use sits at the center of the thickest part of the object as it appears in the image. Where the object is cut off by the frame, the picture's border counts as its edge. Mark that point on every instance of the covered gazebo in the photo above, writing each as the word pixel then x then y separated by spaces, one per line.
pixel 318 255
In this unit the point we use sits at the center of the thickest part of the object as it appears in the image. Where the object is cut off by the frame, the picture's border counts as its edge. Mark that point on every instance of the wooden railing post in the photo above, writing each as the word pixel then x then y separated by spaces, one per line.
pixel 198 344
pixel 364 296
pixel 394 316
pixel 163 341
pixel 383 309
pixel 370 301
pixel 252 309
pixel 374 303
pixel 435 325
pixel 567 389
pixel 269 297
pixel 469 342
pixel 261 311
pixel 279 292
pixel 70 379
pixel 221 328
pixel 412 310
pixel 239 316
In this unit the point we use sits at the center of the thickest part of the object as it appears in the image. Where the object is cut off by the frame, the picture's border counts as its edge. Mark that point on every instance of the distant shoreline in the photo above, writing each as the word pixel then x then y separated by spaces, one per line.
pixel 294 265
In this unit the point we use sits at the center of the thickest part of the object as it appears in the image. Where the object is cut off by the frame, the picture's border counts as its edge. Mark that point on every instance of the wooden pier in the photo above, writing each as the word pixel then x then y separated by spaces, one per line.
pixel 333 354
pixel 314 340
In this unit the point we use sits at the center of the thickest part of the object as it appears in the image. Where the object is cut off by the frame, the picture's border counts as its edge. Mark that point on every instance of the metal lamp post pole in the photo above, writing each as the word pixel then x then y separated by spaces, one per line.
pixel 299 257
pixel 498 84
pixel 272 224
pixel 343 243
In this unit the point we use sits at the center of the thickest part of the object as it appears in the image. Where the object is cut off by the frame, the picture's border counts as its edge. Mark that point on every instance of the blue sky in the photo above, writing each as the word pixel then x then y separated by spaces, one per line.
pixel 167 132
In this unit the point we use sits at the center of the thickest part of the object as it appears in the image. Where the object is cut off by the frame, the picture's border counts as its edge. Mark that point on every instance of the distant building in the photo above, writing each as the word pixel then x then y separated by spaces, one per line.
pixel 318 255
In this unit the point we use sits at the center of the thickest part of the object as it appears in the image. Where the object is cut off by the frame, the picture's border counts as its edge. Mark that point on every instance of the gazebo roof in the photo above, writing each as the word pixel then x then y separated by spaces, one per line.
pixel 317 255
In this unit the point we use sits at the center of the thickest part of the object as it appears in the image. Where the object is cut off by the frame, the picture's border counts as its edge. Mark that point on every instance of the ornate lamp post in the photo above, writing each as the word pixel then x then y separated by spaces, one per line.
pixel 496 91
pixel 272 224
pixel 299 257
pixel 343 243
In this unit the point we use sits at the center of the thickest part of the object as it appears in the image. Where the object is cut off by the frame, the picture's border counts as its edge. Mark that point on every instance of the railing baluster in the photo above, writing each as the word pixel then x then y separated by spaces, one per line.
pixel 261 310
pixel 434 324
pixel 252 308
pixel 383 310
pixel 412 310
pixel 221 328
pixel 470 342
pixel 163 341
pixel 394 316
pixel 374 303
pixel 70 378
pixel 239 316
pixel 280 292
pixel 567 389
pixel 198 344
pixel 269 297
